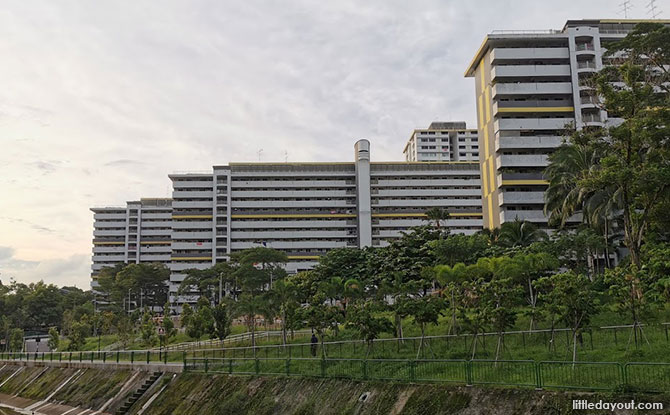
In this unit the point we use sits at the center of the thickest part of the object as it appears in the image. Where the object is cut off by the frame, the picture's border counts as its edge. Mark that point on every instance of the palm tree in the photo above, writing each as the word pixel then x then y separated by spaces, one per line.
pixel 492 234
pixel 568 165
pixel 565 196
pixel 520 233
pixel 437 214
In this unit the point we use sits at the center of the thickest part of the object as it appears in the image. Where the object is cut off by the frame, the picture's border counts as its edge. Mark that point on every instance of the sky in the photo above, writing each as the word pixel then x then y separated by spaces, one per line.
pixel 100 101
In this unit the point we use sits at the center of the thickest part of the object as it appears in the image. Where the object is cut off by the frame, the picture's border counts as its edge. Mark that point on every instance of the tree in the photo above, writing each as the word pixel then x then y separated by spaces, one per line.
pixel 248 306
pixel 363 319
pixel 5 327
pixel 147 283
pixel 573 298
pixel 633 291
pixel 284 294
pixel 77 335
pixel 498 299
pixel 148 330
pixel 125 327
pixel 458 248
pixel 208 282
pixel 320 316
pixel 530 267
pixel 520 233
pixel 270 262
pixel 169 330
pixel 206 316
pixel 54 339
pixel 438 215
pixel 222 321
pixel 451 278
pixel 424 310
pixel 16 340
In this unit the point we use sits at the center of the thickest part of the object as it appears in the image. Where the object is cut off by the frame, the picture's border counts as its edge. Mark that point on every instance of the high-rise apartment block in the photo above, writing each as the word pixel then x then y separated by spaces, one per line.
pixel 531 86
pixel 302 209
pixel 139 232
pixel 443 141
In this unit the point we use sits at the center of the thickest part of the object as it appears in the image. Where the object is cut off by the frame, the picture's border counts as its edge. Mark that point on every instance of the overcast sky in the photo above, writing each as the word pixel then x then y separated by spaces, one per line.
pixel 100 100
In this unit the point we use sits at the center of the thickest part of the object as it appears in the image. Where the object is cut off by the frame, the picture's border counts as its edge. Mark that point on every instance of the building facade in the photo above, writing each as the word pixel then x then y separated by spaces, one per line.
pixel 302 209
pixel 530 88
pixel 139 232
pixel 443 141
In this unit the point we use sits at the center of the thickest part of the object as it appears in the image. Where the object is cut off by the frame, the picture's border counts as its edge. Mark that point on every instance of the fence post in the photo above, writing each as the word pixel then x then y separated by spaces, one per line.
pixel 206 365
pixel 468 373
pixel 257 366
pixel 288 367
pixel 132 357
pixel 165 357
pixel 104 357
pixel 412 370
pixel 148 356
pixel 230 366
pixel 323 367
pixel 365 369
pixel 624 374
pixel 538 375
pixel 92 355
pixel 81 357
pixel 70 357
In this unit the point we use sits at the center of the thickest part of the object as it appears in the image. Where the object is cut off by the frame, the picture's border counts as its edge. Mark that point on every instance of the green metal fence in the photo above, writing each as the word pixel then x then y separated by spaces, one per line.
pixel 593 376
pixel 126 356
pixel 650 377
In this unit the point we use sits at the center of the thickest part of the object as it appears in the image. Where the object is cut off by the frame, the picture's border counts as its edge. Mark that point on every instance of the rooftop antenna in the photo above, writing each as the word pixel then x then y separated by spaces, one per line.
pixel 259 152
pixel 626 6
pixel 652 10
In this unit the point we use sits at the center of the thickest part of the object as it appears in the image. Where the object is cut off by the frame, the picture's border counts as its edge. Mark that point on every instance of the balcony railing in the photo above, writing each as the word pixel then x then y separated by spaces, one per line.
pixel 585 46
pixel 586 64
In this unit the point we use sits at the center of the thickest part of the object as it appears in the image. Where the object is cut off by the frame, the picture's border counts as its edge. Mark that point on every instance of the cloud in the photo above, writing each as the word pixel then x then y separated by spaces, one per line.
pixel 121 163
pixel 6 252
pixel 70 270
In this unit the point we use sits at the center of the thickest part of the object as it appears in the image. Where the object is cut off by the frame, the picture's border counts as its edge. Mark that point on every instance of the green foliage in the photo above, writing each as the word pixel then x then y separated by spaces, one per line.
pixel 365 320
pixel 572 298
pixel 125 327
pixel 79 330
pixel 457 248
pixel 192 322
pixel 148 330
pixel 222 321
pixel 16 340
pixel 169 331
pixel 520 233
pixel 438 215
pixel 54 339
